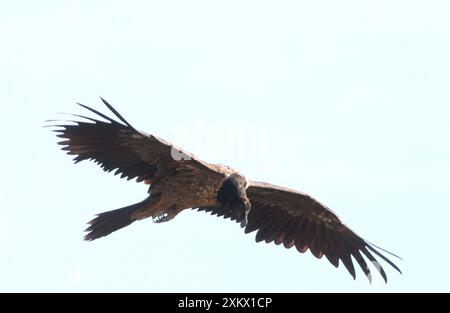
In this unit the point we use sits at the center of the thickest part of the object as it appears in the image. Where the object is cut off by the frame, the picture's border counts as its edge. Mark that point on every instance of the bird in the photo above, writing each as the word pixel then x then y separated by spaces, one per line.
pixel 179 181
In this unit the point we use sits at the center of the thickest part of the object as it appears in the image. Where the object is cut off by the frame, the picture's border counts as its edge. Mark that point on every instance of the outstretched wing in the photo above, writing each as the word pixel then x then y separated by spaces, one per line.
pixel 118 146
pixel 291 218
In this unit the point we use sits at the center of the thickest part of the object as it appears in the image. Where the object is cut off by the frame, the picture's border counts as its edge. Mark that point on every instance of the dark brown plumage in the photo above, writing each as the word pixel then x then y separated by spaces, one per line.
pixel 178 181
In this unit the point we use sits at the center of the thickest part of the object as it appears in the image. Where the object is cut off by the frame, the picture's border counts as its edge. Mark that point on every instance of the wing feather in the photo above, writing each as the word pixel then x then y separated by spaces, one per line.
pixel 117 146
pixel 295 218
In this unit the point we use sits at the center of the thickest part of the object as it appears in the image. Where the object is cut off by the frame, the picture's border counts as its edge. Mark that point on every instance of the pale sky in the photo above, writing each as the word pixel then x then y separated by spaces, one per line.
pixel 348 101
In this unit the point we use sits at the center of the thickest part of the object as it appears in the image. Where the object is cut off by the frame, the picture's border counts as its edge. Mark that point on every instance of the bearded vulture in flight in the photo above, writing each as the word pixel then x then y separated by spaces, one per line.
pixel 178 181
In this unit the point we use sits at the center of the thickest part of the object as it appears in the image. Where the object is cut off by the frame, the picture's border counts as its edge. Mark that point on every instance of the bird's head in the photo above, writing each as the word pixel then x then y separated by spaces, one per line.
pixel 232 196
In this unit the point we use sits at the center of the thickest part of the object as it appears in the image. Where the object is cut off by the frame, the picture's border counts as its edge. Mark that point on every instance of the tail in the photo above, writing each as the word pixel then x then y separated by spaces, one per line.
pixel 107 222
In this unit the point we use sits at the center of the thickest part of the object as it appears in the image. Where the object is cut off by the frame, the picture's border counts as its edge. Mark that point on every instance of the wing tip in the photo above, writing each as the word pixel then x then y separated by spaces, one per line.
pixel 116 113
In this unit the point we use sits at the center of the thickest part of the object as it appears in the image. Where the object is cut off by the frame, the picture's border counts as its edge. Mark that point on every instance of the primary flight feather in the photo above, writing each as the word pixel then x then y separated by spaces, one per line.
pixel 179 181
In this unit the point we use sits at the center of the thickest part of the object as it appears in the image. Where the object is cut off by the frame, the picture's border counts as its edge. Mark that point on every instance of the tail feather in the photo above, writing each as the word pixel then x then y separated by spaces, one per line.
pixel 107 222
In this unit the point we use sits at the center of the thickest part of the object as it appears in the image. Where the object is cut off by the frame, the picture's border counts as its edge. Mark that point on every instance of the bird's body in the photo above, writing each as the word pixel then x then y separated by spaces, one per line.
pixel 182 190
pixel 178 181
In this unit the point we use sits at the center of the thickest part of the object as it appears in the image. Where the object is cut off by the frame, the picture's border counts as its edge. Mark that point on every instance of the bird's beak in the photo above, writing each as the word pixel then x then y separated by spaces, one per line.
pixel 247 206
pixel 244 221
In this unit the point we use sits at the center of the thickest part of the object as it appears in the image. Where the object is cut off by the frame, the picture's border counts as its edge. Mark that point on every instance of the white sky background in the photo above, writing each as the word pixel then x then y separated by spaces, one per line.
pixel 352 96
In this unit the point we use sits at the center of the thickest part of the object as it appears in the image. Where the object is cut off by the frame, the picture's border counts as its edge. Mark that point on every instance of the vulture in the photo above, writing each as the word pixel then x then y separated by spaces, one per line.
pixel 178 180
